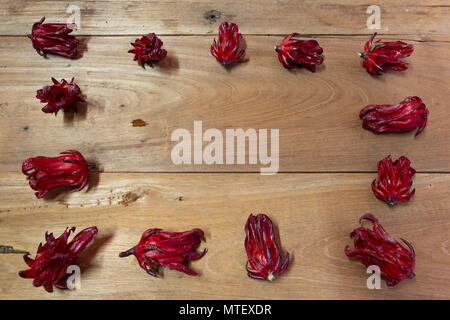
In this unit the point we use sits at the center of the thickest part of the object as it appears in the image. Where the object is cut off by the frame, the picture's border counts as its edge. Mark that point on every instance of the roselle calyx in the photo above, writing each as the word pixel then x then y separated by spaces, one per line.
pixel 54 38
pixel 61 95
pixel 264 256
pixel 394 180
pixel 148 50
pixel 376 247
pixel 46 173
pixel 379 57
pixel 408 115
pixel 49 267
pixel 228 49
pixel 158 248
pixel 299 53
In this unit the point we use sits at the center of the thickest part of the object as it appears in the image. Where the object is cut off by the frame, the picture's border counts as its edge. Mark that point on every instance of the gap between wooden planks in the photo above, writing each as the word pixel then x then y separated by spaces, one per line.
pixel 187 17
pixel 314 214
pixel 317 113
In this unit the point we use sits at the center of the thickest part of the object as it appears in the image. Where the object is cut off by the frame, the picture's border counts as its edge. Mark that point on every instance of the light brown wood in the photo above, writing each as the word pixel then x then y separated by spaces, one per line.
pixel 317 113
pixel 253 16
pixel 138 186
pixel 314 214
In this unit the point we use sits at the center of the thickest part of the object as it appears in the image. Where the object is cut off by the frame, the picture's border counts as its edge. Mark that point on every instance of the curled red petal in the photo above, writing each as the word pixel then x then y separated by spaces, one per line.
pixel 394 181
pixel 379 57
pixel 299 53
pixel 54 38
pixel 408 115
pixel 374 246
pixel 61 95
pixel 52 259
pixel 82 240
pixel 46 173
pixel 173 250
pixel 148 50
pixel 264 256
pixel 227 49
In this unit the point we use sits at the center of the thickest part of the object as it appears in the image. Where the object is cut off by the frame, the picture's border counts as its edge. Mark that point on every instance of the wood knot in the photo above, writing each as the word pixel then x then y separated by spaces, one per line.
pixel 212 15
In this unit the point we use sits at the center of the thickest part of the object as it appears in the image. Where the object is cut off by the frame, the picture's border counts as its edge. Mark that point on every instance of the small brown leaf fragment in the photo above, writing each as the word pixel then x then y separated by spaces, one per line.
pixel 10 249
pixel 139 123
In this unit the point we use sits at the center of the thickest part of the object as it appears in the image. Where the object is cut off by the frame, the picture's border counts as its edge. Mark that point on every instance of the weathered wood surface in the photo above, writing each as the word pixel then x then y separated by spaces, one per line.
pixel 253 16
pixel 320 131
pixel 314 214
pixel 317 113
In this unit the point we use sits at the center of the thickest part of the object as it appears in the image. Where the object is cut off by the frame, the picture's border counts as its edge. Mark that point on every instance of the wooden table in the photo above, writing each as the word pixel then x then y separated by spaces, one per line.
pixel 327 161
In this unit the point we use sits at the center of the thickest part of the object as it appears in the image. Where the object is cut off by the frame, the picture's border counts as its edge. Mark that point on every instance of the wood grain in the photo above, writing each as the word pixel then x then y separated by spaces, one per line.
pixel 317 113
pixel 328 158
pixel 253 16
pixel 314 214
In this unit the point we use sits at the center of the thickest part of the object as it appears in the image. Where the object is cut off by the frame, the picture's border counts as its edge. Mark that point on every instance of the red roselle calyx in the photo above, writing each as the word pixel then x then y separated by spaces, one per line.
pixel 394 180
pixel 299 53
pixel 54 38
pixel 408 115
pixel 61 95
pixel 378 57
pixel 227 49
pixel 264 257
pixel 68 170
pixel 148 50
pixel 173 250
pixel 376 247
pixel 52 259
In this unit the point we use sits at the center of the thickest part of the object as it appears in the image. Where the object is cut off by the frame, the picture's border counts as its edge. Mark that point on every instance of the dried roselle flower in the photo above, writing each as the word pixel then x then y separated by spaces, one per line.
pixel 227 49
pixel 148 49
pixel 408 115
pixel 54 38
pixel 61 95
pixel 376 247
pixel 299 53
pixel 378 56
pixel 52 259
pixel 394 180
pixel 264 257
pixel 173 250
pixel 68 170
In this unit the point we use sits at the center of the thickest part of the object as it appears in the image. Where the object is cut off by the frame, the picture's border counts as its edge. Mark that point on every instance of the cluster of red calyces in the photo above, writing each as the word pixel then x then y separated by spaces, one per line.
pixel 148 50
pixel 228 47
pixel 61 95
pixel 408 115
pixel 394 180
pixel 54 38
pixel 45 173
pixel 379 57
pixel 49 267
pixel 173 250
pixel 264 256
pixel 299 53
pixel 376 247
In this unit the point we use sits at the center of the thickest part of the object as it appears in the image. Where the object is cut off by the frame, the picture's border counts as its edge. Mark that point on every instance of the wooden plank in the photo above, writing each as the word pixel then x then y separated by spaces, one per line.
pixel 253 16
pixel 314 213
pixel 317 114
